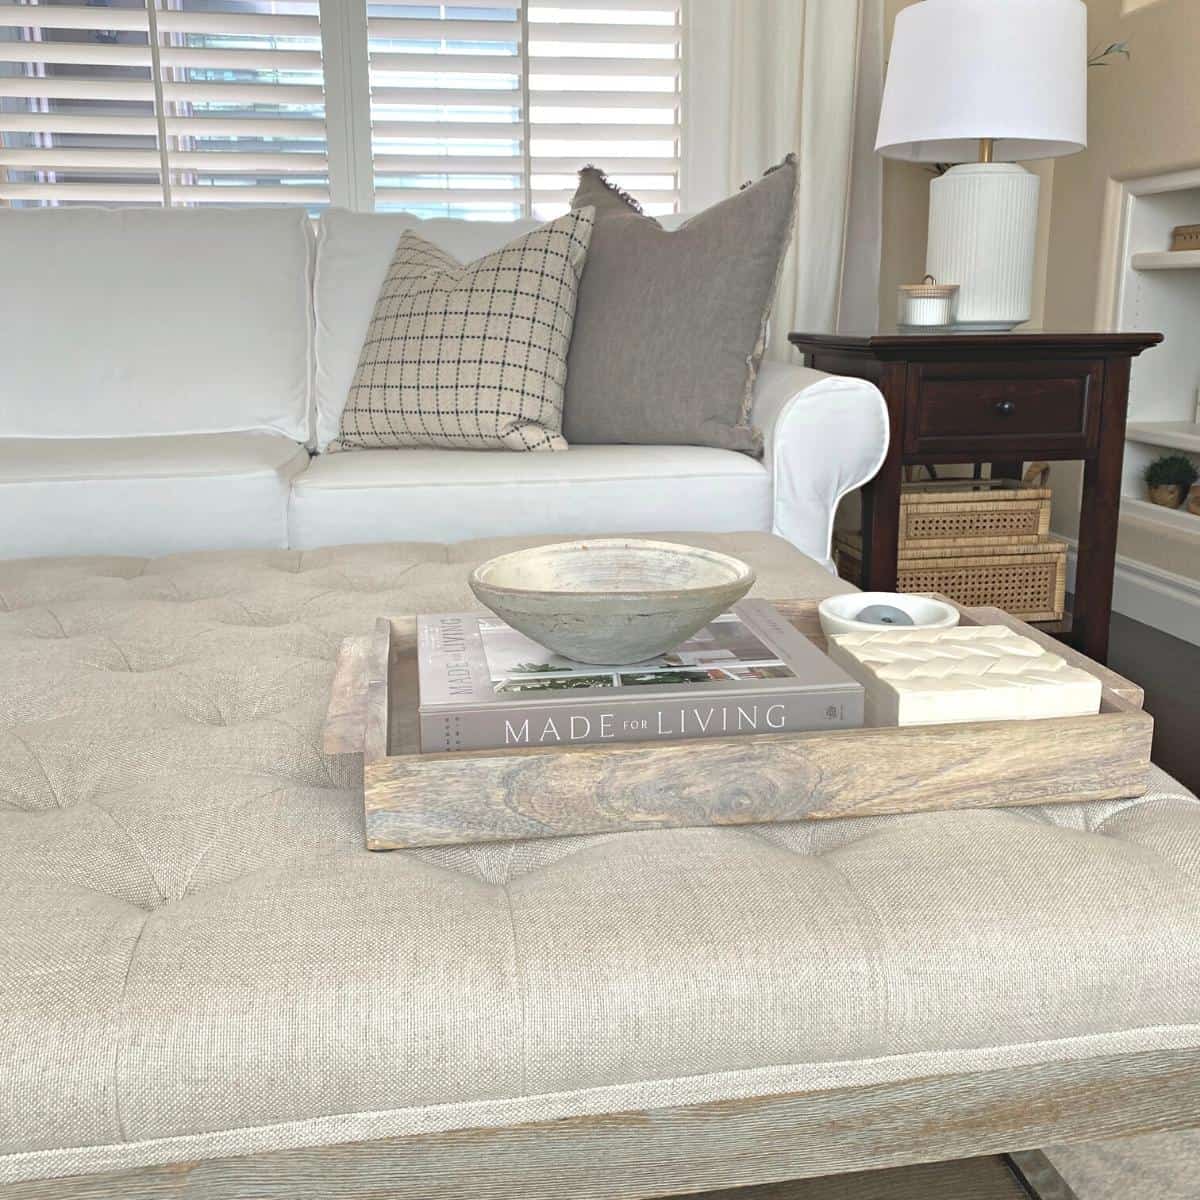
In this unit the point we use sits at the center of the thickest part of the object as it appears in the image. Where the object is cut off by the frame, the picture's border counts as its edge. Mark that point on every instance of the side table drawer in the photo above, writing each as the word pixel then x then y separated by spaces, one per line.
pixel 1029 408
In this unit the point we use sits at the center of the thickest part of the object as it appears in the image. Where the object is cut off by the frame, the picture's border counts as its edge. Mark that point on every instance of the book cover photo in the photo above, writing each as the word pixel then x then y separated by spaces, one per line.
pixel 484 685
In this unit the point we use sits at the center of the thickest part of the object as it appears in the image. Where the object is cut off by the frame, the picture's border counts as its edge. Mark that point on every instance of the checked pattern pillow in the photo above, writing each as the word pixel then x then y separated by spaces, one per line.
pixel 470 357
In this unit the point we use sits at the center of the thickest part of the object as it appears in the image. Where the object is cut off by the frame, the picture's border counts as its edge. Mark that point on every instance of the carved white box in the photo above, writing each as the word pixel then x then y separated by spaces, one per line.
pixel 970 673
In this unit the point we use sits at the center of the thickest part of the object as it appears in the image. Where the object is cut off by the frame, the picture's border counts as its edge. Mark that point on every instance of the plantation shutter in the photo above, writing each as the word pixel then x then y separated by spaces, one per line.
pixel 483 108
pixel 96 99
pixel 446 125
pixel 77 116
pixel 487 108
pixel 245 102
pixel 605 87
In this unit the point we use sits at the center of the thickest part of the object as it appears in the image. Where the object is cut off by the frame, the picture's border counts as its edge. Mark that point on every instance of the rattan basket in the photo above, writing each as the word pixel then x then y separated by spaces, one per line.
pixel 986 512
pixel 1027 580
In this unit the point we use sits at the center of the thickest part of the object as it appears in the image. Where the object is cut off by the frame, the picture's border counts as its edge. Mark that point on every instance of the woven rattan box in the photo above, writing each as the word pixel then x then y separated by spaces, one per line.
pixel 980 512
pixel 980 542
pixel 1027 581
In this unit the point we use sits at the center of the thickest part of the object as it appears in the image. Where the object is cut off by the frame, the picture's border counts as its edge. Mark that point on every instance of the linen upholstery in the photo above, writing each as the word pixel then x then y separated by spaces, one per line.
pixel 671 324
pixel 200 958
pixel 470 357
pixel 449 495
pixel 203 491
pixel 135 322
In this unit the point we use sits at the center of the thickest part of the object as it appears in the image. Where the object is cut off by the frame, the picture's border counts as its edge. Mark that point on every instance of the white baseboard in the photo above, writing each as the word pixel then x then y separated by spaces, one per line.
pixel 1151 595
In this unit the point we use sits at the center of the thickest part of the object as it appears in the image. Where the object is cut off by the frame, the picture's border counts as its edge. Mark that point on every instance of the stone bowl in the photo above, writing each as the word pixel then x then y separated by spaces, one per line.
pixel 610 601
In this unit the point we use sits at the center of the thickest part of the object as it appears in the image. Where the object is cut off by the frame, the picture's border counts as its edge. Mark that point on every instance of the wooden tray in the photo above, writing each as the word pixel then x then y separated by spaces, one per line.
pixel 413 799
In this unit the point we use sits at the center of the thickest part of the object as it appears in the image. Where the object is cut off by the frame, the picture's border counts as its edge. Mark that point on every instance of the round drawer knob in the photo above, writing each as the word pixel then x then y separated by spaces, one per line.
pixel 1006 408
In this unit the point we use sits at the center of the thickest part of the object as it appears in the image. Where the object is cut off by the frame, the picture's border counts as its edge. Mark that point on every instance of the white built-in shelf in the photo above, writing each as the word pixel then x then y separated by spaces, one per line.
pixel 1158 289
pixel 1157 514
pixel 1176 435
pixel 1167 260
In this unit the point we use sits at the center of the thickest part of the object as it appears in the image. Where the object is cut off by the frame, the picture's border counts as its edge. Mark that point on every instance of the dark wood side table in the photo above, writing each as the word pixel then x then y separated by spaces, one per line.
pixel 1000 398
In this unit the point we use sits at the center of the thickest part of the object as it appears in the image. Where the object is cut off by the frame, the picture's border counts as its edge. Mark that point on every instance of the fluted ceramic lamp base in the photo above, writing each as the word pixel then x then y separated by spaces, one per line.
pixel 983 236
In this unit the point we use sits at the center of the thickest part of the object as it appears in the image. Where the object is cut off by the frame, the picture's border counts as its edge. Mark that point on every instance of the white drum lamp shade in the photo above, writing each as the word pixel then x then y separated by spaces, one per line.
pixel 991 79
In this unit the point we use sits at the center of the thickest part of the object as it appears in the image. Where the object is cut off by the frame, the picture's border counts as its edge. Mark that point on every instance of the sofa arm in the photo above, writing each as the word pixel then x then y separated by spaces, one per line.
pixel 823 436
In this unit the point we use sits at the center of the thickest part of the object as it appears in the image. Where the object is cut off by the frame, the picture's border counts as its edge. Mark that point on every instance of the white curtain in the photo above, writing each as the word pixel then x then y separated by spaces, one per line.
pixel 766 77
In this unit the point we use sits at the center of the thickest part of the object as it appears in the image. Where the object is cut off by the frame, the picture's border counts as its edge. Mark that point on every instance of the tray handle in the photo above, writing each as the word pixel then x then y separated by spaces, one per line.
pixel 346 718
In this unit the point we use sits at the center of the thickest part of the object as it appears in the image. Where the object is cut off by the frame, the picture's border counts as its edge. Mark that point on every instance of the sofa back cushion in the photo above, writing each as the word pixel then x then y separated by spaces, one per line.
pixel 139 322
pixel 354 251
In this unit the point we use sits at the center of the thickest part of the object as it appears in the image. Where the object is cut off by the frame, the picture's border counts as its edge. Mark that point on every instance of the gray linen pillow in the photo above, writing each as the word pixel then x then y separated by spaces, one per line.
pixel 670 326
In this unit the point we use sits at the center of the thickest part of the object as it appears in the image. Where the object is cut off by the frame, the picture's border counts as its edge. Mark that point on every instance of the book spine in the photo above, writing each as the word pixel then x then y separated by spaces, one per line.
pixel 640 721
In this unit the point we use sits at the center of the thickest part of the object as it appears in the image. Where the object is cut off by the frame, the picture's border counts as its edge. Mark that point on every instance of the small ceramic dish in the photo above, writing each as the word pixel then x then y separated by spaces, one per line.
pixel 610 601
pixel 838 613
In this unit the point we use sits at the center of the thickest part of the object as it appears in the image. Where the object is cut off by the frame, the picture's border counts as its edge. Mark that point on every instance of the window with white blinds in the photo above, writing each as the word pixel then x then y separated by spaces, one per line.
pixel 446 115
pixel 606 86
pixel 245 102
pixel 486 108
pixel 181 101
pixel 77 112
pixel 478 108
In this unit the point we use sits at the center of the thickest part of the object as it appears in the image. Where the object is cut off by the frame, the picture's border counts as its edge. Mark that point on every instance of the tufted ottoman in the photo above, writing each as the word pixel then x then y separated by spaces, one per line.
pixel 209 987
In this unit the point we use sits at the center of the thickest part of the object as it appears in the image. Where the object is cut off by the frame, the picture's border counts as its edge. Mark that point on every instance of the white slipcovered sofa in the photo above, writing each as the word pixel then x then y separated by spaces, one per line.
pixel 170 378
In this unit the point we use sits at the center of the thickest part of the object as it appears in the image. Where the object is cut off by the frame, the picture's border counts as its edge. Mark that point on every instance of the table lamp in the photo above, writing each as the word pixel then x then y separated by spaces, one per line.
pixel 986 84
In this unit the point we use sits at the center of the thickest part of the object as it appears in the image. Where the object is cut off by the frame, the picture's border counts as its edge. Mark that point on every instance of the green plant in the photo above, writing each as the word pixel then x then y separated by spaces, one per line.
pixel 1101 58
pixel 1172 469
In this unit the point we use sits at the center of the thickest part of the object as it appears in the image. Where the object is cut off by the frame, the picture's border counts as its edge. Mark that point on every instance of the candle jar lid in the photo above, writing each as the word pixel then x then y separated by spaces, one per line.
pixel 929 289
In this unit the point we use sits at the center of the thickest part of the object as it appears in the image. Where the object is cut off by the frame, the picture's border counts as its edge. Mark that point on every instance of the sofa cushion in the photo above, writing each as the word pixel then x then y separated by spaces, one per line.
pixel 451 495
pixel 353 253
pixel 180 321
pixel 201 960
pixel 671 324
pixel 145 495
pixel 470 356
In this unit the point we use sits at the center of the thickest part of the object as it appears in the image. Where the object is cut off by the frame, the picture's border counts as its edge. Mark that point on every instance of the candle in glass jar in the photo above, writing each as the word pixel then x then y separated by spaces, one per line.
pixel 929 303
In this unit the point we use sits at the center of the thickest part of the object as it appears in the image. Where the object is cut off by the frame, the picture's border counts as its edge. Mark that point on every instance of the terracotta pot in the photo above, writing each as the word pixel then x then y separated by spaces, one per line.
pixel 1193 501
pixel 1169 495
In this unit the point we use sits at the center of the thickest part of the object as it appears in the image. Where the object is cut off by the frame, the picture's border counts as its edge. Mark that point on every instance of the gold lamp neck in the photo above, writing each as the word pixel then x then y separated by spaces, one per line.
pixel 987 148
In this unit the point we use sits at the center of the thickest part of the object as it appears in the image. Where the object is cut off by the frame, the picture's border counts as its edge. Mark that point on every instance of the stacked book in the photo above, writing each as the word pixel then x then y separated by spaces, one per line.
pixel 484 685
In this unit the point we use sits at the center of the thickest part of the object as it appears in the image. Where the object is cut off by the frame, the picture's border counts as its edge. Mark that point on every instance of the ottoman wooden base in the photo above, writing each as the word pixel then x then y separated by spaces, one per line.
pixel 1025 1176
pixel 717 1149
pixel 1028 1176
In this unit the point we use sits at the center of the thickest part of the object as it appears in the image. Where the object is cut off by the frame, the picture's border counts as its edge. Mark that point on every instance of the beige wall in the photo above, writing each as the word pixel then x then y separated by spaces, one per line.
pixel 1143 118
